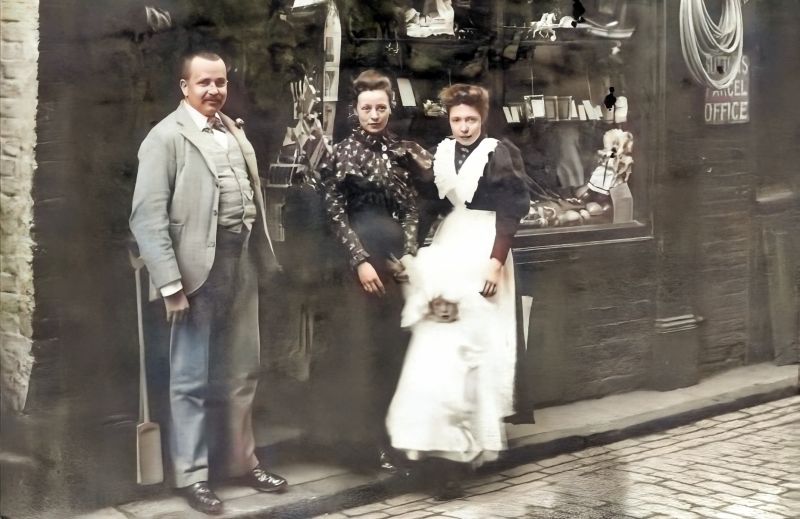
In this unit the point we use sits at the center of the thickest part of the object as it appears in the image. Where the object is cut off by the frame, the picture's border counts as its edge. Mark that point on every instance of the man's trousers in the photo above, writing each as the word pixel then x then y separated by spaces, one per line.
pixel 214 368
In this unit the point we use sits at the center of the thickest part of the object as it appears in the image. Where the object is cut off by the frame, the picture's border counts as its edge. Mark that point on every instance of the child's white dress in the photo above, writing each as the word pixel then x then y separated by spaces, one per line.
pixel 457 381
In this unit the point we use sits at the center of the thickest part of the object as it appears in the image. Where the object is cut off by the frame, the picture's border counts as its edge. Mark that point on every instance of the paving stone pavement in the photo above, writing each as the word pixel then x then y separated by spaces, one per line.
pixel 744 464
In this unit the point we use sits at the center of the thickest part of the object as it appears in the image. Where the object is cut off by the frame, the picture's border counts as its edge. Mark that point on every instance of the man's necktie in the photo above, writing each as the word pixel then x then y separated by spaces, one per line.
pixel 214 123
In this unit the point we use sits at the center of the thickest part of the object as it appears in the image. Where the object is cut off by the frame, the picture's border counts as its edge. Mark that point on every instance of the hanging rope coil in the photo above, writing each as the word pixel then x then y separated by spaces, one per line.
pixel 702 41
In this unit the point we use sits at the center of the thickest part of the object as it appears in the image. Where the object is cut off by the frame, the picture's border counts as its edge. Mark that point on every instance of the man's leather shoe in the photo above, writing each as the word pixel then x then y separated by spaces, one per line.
pixel 264 481
pixel 202 498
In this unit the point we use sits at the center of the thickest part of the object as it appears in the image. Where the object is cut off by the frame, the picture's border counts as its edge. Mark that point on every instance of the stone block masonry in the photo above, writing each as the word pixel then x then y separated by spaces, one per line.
pixel 19 40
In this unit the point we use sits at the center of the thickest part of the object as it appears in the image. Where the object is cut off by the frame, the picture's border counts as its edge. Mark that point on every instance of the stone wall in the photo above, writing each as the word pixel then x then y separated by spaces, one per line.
pixel 724 227
pixel 718 166
pixel 19 26
pixel 723 172
pixel 591 325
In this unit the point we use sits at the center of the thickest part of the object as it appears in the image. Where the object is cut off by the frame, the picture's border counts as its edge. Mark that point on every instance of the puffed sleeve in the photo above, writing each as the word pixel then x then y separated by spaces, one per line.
pixel 332 171
pixel 510 195
pixel 418 161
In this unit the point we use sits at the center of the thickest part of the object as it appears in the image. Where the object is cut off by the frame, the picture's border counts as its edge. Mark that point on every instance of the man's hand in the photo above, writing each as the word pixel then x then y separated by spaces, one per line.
pixel 492 277
pixel 177 306
pixel 397 268
pixel 369 279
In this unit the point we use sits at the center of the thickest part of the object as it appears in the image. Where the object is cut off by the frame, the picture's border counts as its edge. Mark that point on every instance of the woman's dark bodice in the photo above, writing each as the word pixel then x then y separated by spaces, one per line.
pixel 369 173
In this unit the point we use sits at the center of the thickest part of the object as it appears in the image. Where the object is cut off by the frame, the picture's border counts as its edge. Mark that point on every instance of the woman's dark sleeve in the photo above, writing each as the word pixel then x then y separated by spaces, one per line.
pixel 418 161
pixel 430 210
pixel 510 196
pixel 403 192
pixel 336 206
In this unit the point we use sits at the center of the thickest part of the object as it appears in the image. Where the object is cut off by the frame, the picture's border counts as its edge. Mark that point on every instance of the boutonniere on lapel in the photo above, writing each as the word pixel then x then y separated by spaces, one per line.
pixel 239 122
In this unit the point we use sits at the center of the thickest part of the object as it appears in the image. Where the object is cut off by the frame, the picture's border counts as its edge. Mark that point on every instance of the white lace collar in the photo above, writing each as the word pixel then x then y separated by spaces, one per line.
pixel 465 182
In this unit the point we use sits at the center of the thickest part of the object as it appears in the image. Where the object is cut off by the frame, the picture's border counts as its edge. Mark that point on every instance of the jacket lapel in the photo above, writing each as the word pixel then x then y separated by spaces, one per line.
pixel 189 130
pixel 244 145
pixel 252 170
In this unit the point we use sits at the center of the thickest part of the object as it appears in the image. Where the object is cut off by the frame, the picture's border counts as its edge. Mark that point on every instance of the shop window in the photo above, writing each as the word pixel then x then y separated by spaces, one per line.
pixel 575 85
pixel 580 96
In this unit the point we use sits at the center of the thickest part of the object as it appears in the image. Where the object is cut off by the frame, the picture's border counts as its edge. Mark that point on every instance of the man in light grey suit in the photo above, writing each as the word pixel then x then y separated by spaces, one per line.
pixel 198 219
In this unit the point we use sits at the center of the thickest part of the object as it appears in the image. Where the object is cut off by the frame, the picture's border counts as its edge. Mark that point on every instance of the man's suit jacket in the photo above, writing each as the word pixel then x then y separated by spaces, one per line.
pixel 176 201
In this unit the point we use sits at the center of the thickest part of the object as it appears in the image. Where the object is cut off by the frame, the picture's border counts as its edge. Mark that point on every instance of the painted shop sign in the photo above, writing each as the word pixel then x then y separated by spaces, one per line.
pixel 729 105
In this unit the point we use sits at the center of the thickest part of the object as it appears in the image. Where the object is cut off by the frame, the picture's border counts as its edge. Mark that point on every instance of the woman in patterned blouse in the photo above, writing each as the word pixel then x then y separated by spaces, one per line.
pixel 371 202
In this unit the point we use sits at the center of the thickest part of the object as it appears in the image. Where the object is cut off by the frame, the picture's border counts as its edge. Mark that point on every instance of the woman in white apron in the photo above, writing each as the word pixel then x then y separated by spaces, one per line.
pixel 457 381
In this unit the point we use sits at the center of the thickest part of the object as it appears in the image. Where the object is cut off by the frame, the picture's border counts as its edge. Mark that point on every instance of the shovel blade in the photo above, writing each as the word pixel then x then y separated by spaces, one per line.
pixel 149 464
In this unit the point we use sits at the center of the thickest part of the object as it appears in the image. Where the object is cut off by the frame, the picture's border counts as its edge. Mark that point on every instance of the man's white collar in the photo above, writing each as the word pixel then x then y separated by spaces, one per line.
pixel 199 119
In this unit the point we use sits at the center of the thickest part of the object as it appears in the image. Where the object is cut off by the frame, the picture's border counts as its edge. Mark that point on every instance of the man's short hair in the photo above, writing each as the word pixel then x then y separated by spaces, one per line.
pixel 186 62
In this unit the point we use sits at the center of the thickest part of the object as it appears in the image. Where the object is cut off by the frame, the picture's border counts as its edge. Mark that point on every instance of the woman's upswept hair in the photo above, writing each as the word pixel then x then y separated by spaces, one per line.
pixel 470 95
pixel 371 79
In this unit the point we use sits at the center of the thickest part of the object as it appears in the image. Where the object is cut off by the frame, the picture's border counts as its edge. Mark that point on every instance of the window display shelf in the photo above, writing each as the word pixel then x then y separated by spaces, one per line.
pixel 541 120
pixel 450 41
pixel 434 41
pixel 580 35
pixel 569 42
pixel 530 240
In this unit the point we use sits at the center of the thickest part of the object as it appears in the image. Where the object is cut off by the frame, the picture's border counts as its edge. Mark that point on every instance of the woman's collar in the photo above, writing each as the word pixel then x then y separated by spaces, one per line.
pixel 471 147
pixel 374 139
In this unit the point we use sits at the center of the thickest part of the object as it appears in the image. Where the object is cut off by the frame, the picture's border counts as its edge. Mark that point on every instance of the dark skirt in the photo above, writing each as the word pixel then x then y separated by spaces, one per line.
pixel 354 378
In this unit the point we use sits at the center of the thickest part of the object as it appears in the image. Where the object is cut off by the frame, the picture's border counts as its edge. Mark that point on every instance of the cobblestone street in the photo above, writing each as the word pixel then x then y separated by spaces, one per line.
pixel 744 464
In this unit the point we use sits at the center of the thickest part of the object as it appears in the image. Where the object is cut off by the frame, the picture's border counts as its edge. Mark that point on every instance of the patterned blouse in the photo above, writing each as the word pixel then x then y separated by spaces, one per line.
pixel 373 169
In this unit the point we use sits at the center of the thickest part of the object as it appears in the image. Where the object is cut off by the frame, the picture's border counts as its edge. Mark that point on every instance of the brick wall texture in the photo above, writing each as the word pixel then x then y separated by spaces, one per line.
pixel 19 34
pixel 725 235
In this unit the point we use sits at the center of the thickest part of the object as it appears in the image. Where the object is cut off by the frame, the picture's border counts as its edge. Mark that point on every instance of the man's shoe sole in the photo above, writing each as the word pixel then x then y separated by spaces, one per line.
pixel 276 490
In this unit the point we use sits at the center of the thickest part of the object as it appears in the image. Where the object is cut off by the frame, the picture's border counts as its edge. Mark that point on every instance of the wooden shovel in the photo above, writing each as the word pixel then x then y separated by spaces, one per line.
pixel 149 464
